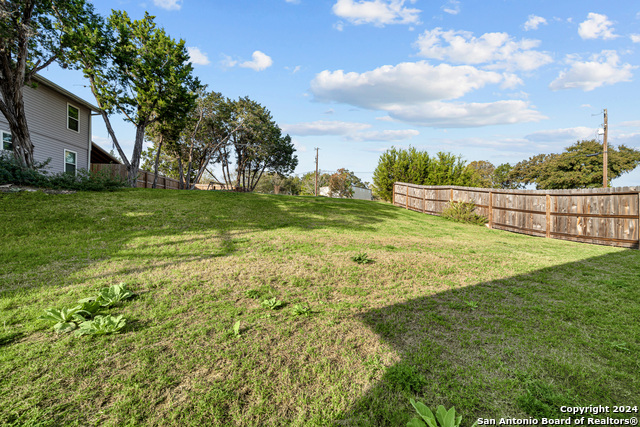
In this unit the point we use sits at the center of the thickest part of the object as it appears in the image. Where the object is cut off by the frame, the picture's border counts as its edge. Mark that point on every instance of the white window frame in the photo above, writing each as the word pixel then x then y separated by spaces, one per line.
pixel 69 117
pixel 2 134
pixel 64 160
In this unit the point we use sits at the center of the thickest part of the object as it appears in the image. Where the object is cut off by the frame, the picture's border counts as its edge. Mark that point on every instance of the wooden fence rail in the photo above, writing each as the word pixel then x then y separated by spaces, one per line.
pixel 145 179
pixel 606 216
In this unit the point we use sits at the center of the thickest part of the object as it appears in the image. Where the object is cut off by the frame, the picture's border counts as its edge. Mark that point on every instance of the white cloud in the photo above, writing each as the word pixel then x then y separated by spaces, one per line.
pixel 452 7
pixel 534 22
pixel 602 69
pixel 413 92
pixel 259 61
pixel 407 82
pixel 586 106
pixel 635 38
pixel 464 115
pixel 168 4
pixel 383 135
pixel 498 50
pixel 376 12
pixel 323 127
pixel 197 56
pixel 596 26
pixel 562 135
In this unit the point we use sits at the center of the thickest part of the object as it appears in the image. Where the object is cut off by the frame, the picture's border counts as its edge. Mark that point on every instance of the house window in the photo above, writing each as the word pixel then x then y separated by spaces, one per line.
pixel 7 142
pixel 73 118
pixel 70 161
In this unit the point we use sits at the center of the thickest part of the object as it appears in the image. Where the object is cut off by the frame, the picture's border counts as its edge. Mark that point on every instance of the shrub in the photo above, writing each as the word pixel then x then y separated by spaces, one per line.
pixel 11 172
pixel 463 212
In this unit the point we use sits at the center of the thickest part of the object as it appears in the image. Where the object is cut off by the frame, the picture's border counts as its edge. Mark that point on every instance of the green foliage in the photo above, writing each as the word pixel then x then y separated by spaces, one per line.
pixel 416 167
pixel 471 304
pixel 442 417
pixel 236 329
pixel 308 182
pixel 502 178
pixel 102 325
pixel 301 310
pixel 579 166
pixel 253 293
pixel 341 182
pixel 272 303
pixel 114 294
pixel 11 172
pixel 483 172
pixel 463 212
pixel 361 258
pixel 542 400
pixel 66 319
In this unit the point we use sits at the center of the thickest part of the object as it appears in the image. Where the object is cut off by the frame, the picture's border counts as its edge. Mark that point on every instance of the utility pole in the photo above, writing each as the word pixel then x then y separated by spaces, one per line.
pixel 317 171
pixel 605 158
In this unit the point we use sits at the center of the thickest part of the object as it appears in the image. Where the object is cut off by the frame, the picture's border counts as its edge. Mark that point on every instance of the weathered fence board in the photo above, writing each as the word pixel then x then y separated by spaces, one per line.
pixel 607 216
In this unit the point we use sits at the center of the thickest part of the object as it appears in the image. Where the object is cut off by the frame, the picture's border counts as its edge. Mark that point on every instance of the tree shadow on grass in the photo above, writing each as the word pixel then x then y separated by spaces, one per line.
pixel 518 347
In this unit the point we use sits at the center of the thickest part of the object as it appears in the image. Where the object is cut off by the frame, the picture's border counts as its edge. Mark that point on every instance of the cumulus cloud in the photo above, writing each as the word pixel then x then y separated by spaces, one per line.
pixel 464 115
pixel 497 50
pixel 596 26
pixel 168 4
pixel 376 12
pixel 407 82
pixel 534 22
pixel 562 135
pixel 259 61
pixel 602 69
pixel 635 38
pixel 198 57
pixel 383 135
pixel 414 92
pixel 323 127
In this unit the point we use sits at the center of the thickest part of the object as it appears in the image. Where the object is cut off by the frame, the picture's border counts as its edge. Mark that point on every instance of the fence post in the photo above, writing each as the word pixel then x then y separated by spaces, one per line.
pixel 424 199
pixel 407 198
pixel 548 215
pixel 490 209
pixel 393 197
pixel 638 223
pixel 451 196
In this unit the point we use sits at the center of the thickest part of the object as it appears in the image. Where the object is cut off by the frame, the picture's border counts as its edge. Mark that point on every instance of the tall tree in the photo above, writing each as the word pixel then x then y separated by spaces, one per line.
pixel 33 35
pixel 483 171
pixel 136 69
pixel 579 166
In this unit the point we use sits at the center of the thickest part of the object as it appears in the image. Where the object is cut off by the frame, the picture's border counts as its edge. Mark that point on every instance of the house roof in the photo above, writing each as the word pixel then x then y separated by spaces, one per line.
pixel 39 79
pixel 100 155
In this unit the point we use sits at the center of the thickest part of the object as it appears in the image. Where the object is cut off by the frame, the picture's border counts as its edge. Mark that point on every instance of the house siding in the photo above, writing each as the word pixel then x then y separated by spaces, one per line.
pixel 46 111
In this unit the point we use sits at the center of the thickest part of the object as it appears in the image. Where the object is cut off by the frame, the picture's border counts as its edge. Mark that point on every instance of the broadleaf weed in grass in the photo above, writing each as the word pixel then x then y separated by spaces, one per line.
pixel 252 293
pixel 301 310
pixel 236 329
pixel 102 325
pixel 362 258
pixel 441 418
pixel 114 294
pixel 272 303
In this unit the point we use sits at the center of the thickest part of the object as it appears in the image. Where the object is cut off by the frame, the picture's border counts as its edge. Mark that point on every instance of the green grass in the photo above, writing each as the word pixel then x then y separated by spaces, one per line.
pixel 495 323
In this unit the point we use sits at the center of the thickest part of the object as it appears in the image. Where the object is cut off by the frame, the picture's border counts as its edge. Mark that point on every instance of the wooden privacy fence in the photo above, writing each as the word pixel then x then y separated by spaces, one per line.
pixel 606 216
pixel 145 179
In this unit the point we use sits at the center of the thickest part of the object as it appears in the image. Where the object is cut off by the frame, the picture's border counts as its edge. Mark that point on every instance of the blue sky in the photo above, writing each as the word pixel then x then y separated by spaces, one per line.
pixel 496 80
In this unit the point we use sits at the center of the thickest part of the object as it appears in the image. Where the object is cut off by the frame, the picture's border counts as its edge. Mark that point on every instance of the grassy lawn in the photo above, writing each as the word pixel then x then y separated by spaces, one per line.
pixel 495 323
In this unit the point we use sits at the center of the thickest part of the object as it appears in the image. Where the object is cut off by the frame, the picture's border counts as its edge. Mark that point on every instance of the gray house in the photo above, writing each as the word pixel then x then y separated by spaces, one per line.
pixel 59 124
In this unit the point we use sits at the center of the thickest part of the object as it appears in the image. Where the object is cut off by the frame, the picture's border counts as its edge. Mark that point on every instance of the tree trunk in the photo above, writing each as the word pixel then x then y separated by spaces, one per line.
pixel 135 157
pixel 12 107
pixel 155 166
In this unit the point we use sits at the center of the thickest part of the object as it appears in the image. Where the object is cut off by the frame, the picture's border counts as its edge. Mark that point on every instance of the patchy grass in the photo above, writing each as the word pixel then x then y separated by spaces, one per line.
pixel 497 324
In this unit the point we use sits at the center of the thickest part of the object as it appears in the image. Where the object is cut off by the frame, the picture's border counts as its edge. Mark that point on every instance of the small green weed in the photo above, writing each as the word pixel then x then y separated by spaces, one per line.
pixel 236 329
pixel 442 417
pixel 471 304
pixel 272 303
pixel 66 318
pixel 301 310
pixel 102 325
pixel 108 297
pixel 252 293
pixel 362 258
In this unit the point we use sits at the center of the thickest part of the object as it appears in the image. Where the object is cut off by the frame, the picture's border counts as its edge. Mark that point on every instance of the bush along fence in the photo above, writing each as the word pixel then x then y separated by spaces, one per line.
pixel 145 179
pixel 606 216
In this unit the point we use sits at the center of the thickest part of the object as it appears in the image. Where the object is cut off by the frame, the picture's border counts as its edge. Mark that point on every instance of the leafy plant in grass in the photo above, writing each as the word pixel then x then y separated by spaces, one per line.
pixel 471 304
pixel 362 258
pixel 102 325
pixel 272 303
pixel 252 293
pixel 463 212
pixel 66 319
pixel 442 417
pixel 236 329
pixel 112 295
pixel 301 310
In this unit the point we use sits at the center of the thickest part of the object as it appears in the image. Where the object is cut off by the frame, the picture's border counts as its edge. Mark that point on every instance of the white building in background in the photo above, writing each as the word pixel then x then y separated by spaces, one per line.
pixel 358 193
